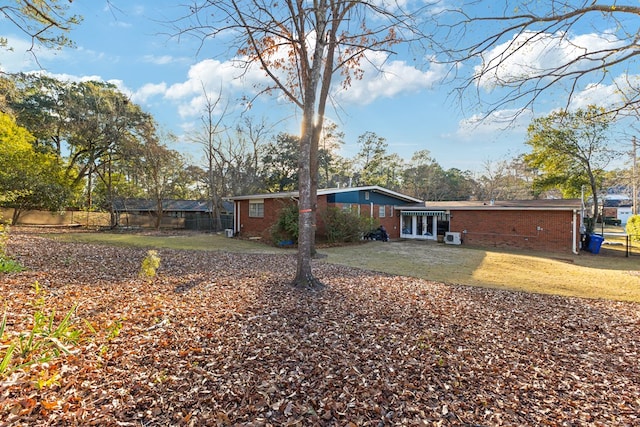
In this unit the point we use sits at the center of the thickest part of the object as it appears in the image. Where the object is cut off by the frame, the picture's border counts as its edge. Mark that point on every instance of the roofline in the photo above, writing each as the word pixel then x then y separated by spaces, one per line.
pixel 487 207
pixel 325 191
pixel 493 208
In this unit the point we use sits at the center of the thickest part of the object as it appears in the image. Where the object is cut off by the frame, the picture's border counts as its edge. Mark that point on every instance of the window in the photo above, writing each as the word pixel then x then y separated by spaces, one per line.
pixel 346 207
pixel 256 208
pixel 366 195
pixel 382 211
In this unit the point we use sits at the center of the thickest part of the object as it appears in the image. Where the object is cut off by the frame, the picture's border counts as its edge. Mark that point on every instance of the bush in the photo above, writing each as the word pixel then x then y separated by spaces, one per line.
pixel 286 226
pixel 633 228
pixel 345 226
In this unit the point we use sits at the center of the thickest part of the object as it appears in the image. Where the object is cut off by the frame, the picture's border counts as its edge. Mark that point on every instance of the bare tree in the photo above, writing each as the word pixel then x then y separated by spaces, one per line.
pixel 505 180
pixel 301 47
pixel 244 148
pixel 518 51
pixel 231 155
pixel 210 138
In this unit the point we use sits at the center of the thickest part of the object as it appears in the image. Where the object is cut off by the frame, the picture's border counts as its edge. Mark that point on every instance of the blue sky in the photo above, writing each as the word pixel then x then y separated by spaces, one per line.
pixel 129 45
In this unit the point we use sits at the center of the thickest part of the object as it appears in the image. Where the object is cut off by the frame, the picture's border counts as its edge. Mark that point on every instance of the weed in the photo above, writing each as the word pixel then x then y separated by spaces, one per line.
pixel 114 329
pixel 150 265
pixel 7 265
pixel 43 342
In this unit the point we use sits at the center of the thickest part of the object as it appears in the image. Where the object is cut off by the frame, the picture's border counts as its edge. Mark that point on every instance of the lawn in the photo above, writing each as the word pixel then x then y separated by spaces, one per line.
pixel 220 338
pixel 609 275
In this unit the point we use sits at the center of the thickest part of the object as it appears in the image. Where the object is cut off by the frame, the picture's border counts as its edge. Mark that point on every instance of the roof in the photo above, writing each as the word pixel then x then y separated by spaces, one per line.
pixel 326 191
pixel 147 205
pixel 537 204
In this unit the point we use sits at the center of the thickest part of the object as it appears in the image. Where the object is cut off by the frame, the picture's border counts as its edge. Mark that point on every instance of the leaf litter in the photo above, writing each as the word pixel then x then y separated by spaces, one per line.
pixel 222 339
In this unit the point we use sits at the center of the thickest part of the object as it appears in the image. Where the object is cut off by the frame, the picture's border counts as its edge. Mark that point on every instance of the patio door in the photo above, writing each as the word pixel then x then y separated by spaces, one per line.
pixel 419 226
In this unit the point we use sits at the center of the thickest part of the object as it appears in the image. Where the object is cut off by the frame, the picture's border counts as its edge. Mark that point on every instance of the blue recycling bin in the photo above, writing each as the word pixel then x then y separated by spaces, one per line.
pixel 595 241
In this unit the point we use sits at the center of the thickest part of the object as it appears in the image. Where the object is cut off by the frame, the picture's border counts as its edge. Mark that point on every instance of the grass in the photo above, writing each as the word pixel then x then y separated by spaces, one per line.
pixel 608 275
pixel 186 241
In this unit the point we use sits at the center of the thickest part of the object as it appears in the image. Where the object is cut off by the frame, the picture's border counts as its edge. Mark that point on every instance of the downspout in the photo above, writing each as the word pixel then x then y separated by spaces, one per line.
pixel 575 231
pixel 371 211
pixel 236 222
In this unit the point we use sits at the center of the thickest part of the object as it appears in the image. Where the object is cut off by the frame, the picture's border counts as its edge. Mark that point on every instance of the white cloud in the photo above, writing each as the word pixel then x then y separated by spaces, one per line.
pixel 382 79
pixel 623 88
pixel 148 91
pixel 215 77
pixel 534 55
pixel 478 127
pixel 18 57
pixel 388 79
pixel 159 60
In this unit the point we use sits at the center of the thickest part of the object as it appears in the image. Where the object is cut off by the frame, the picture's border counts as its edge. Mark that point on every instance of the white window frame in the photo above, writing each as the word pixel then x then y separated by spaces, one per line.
pixel 382 211
pixel 256 208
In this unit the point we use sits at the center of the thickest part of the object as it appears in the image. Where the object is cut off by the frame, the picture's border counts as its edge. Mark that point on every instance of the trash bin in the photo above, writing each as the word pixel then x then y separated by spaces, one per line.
pixel 595 241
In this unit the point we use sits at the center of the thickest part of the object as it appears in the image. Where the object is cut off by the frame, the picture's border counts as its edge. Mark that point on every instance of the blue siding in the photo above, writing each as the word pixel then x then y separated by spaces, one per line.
pixel 359 197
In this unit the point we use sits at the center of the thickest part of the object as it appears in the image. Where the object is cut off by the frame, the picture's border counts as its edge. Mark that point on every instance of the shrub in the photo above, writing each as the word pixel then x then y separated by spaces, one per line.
pixel 286 226
pixel 345 226
pixel 633 228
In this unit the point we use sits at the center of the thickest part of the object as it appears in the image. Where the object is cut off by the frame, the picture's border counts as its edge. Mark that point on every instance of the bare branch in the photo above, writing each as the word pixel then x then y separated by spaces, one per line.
pixel 497 45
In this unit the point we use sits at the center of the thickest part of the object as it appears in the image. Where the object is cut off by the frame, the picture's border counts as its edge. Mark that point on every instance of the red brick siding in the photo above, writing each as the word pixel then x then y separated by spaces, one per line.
pixel 611 212
pixel 519 229
pixel 390 220
pixel 253 227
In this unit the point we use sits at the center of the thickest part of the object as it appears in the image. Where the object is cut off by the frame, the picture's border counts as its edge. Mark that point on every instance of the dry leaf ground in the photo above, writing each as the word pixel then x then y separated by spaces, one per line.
pixel 222 339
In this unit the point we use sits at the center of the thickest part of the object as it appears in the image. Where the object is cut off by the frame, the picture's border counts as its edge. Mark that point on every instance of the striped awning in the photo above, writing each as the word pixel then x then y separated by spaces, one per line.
pixel 423 213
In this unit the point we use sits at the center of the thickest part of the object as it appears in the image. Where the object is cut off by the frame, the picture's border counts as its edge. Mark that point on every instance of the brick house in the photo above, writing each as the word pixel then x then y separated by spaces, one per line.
pixel 254 214
pixel 544 225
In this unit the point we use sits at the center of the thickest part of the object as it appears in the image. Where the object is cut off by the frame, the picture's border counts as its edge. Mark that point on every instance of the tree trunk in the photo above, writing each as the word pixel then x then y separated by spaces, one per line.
pixel 16 216
pixel 306 205
pixel 304 276
pixel 159 209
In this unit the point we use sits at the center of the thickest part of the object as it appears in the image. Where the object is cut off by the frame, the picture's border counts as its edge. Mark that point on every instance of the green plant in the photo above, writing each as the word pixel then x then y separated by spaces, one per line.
pixel 150 265
pixel 44 341
pixel 633 228
pixel 4 237
pixel 6 359
pixel 7 265
pixel 345 226
pixel 286 226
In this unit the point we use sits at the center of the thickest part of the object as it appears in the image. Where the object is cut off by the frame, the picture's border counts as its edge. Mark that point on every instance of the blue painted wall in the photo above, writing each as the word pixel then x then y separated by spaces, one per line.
pixel 359 197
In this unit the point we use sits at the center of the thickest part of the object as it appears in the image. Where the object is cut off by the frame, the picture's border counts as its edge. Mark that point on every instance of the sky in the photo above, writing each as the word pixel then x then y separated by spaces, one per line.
pixel 131 44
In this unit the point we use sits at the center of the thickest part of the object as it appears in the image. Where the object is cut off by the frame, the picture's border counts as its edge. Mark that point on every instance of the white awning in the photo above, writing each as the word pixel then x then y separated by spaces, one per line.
pixel 423 213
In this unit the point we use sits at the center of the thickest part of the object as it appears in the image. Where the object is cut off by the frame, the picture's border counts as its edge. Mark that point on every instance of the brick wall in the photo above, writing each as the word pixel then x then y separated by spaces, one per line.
pixel 516 229
pixel 259 227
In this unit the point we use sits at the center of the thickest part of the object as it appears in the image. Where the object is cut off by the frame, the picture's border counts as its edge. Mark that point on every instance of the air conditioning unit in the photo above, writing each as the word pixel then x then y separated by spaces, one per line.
pixel 452 238
pixel 228 232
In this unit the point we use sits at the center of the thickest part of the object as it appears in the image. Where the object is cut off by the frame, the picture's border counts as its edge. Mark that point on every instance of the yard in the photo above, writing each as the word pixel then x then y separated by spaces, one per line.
pixel 219 337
